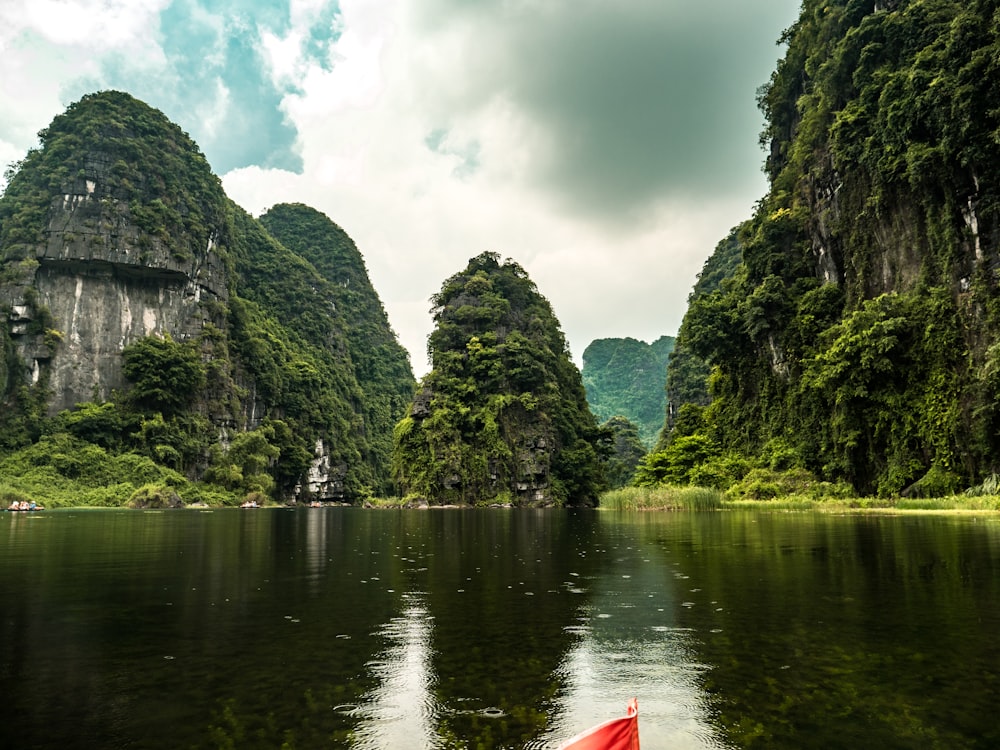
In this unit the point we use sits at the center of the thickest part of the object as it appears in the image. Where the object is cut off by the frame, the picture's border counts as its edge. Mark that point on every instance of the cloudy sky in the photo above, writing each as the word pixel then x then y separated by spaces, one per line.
pixel 605 145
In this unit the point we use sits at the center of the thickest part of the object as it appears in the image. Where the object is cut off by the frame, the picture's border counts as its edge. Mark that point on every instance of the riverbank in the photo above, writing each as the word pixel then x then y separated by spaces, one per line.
pixel 703 498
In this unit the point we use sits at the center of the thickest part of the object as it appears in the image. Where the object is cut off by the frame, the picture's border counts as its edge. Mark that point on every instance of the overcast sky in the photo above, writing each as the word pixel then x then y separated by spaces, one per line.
pixel 605 145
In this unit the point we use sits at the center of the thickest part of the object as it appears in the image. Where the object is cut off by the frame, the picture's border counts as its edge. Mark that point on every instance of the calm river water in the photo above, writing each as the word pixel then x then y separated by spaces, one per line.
pixel 347 628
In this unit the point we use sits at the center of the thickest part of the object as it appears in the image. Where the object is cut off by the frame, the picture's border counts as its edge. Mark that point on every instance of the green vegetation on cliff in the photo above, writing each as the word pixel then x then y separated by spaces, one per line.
pixel 687 373
pixel 210 350
pixel 381 365
pixel 626 377
pixel 144 160
pixel 502 416
pixel 858 340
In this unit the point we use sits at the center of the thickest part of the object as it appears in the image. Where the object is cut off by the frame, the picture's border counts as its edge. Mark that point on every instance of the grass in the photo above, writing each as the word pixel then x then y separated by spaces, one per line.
pixel 662 498
pixel 700 498
pixel 387 502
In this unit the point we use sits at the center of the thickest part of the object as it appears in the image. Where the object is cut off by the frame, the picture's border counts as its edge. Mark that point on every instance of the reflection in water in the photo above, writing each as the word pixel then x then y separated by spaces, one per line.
pixel 400 708
pixel 496 629
pixel 630 643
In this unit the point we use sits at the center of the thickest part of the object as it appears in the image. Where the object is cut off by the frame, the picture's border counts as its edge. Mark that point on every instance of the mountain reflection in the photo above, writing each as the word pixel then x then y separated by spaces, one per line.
pixel 347 628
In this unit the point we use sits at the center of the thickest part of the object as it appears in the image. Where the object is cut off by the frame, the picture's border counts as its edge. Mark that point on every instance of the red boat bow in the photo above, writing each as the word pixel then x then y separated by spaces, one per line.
pixel 616 734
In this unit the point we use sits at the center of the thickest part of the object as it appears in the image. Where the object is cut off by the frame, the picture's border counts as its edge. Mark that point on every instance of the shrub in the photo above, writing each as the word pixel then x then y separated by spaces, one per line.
pixel 155 496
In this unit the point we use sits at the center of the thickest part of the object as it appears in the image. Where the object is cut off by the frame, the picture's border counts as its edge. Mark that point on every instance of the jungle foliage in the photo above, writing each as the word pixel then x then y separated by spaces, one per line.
pixel 381 365
pixel 502 416
pixel 687 373
pixel 625 452
pixel 298 354
pixel 626 377
pixel 857 339
pixel 147 161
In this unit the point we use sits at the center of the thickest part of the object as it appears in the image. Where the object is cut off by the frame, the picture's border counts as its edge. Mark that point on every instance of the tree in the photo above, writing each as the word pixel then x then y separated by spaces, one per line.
pixel 165 374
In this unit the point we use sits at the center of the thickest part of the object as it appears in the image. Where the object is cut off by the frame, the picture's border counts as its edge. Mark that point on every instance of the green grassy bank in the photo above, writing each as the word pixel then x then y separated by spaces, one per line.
pixel 700 498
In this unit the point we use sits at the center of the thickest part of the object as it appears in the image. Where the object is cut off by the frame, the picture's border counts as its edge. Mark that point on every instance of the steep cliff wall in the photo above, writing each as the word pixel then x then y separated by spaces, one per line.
pixel 106 284
pixel 859 336
pixel 101 247
pixel 129 280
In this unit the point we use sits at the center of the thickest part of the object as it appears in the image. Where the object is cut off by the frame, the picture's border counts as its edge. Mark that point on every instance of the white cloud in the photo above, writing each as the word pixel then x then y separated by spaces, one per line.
pixel 107 24
pixel 44 44
pixel 402 76
pixel 605 147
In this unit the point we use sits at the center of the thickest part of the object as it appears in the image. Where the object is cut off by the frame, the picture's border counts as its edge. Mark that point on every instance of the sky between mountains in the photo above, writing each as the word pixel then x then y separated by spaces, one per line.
pixel 605 145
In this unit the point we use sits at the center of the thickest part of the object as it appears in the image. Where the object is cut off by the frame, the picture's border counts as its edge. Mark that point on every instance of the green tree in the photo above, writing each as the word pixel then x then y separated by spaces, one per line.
pixel 166 375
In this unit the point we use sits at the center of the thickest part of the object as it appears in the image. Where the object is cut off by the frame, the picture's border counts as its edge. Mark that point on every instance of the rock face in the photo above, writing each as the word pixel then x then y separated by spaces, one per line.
pixel 859 337
pixel 105 283
pixel 116 230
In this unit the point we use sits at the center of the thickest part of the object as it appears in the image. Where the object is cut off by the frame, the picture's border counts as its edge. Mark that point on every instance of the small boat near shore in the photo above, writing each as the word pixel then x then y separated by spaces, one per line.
pixel 24 507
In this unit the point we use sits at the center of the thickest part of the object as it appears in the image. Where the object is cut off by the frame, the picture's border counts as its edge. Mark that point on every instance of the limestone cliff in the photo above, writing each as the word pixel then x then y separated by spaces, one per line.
pixel 502 416
pixel 858 339
pixel 100 249
pixel 114 231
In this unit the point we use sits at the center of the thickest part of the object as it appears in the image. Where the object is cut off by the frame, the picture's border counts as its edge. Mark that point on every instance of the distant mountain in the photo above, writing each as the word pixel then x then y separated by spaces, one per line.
pixel 145 313
pixel 626 377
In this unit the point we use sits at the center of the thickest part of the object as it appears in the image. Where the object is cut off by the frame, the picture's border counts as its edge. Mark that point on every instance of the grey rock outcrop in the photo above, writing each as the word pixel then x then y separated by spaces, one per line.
pixel 104 283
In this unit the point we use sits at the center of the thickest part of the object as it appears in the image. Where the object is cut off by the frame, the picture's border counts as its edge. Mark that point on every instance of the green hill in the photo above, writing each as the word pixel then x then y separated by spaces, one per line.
pixel 857 341
pixel 626 377
pixel 149 322
pixel 502 415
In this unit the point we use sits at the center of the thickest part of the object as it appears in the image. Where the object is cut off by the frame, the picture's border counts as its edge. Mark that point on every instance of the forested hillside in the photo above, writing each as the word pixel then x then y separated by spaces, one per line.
pixel 502 416
pixel 857 341
pixel 687 373
pixel 626 377
pixel 156 335
pixel 381 365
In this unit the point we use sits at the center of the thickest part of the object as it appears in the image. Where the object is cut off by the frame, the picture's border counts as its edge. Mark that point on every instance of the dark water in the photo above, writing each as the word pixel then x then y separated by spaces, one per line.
pixel 344 628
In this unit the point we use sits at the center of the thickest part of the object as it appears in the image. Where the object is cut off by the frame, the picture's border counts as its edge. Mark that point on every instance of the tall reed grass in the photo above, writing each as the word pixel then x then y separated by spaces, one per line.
pixel 700 498
pixel 661 498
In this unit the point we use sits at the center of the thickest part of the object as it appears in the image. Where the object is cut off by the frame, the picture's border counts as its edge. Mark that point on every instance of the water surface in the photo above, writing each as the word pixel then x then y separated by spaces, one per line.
pixel 349 628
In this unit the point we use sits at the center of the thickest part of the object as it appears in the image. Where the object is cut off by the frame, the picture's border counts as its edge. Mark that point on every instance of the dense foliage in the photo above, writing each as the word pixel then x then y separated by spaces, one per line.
pixel 858 339
pixel 626 377
pixel 626 451
pixel 381 365
pixel 687 373
pixel 288 365
pixel 502 416
pixel 145 161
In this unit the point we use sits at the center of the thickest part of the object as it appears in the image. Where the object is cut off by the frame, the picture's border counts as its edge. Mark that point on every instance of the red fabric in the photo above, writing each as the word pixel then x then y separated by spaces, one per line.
pixel 617 734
